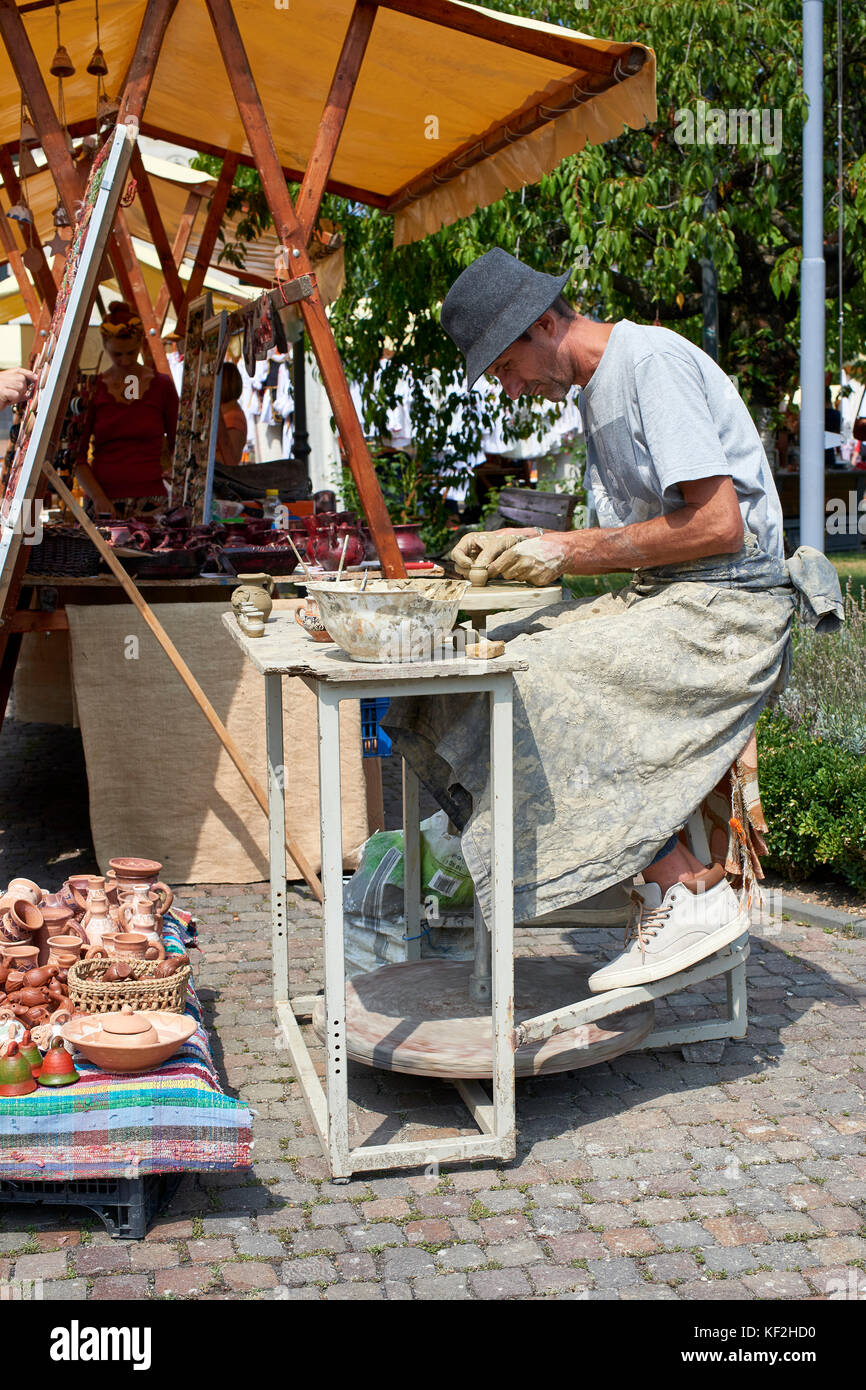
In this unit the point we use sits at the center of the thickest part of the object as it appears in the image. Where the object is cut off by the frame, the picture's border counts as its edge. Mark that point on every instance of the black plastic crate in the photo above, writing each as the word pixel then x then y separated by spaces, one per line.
pixel 126 1206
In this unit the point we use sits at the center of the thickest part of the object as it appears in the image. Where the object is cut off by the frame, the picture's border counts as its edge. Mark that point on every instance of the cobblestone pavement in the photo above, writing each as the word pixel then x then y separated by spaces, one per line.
pixel 649 1177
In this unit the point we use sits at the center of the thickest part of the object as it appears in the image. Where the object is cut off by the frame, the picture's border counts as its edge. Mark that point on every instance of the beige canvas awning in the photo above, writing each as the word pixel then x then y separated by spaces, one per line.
pixel 441 121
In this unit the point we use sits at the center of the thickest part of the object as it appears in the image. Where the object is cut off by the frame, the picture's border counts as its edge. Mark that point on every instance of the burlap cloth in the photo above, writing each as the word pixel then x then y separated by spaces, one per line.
pixel 161 785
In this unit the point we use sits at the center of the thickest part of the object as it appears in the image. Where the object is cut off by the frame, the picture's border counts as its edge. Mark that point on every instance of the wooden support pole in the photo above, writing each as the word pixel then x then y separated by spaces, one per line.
pixel 178 251
pixel 139 76
pixel 42 274
pixel 180 666
pixel 291 236
pixel 334 115
pixel 208 238
pixel 158 235
pixel 132 283
pixel 19 270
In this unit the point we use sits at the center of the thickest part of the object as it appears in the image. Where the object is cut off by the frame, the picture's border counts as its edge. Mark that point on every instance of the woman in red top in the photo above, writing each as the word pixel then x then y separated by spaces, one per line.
pixel 132 413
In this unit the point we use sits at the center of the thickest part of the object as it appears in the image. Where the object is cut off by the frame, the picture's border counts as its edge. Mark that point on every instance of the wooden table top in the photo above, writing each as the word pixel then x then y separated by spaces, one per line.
pixel 286 650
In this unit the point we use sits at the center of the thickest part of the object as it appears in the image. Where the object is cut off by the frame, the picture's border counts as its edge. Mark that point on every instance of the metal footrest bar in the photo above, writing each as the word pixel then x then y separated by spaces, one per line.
pixel 613 1001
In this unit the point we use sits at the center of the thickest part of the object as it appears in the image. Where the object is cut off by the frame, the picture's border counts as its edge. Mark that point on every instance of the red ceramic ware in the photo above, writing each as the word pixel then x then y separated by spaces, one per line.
pixel 16 1077
pixel 409 541
pixel 57 1067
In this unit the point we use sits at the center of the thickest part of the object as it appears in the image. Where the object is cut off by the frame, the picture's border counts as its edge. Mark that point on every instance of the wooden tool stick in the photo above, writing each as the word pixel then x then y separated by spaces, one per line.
pixel 180 666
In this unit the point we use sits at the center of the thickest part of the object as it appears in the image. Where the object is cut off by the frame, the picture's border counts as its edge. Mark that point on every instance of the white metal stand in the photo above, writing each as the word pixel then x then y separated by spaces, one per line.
pixel 333 678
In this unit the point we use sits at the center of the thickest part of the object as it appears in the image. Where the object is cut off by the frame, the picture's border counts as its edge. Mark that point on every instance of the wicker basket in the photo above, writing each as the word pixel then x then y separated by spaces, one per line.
pixel 90 994
pixel 65 550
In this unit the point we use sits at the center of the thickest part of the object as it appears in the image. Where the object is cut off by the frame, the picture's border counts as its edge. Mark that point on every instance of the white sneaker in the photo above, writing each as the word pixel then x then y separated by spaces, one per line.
pixel 695 919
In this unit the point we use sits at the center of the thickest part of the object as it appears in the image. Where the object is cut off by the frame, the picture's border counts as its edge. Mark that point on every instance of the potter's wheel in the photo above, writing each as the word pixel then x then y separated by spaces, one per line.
pixel 417 1017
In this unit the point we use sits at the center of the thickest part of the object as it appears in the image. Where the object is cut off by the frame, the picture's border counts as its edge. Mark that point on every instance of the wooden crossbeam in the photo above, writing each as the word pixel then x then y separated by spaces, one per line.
pixel 291 236
pixel 334 115
pixel 134 289
pixel 208 238
pixel 178 251
pixel 540 43
pixel 158 235
pixel 42 274
pixel 19 270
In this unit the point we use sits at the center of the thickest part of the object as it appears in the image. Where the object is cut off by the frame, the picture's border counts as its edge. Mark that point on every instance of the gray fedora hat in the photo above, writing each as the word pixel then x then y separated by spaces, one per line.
pixel 491 303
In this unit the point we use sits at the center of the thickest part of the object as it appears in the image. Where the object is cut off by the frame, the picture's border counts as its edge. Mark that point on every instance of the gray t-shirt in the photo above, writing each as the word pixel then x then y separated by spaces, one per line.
pixel 658 411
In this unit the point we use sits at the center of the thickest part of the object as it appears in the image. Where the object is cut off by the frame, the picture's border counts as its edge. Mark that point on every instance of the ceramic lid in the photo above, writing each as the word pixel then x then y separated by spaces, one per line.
pixel 132 1027
pixel 135 866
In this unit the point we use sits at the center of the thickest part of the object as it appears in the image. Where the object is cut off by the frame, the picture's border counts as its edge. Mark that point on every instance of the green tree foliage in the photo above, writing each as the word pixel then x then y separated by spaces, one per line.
pixel 646 206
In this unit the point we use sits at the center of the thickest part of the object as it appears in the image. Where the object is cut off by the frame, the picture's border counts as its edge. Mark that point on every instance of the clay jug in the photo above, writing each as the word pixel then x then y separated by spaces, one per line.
pixel 97 919
pixel 138 916
pixel 257 589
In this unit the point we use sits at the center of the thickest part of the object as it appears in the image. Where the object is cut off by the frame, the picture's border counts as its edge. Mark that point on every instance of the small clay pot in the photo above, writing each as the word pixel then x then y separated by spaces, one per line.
pixel 65 950
pixel 165 969
pixel 21 955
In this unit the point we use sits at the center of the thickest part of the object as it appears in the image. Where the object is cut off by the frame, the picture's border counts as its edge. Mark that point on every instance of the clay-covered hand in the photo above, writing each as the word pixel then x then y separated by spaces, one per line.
pixel 480 548
pixel 539 561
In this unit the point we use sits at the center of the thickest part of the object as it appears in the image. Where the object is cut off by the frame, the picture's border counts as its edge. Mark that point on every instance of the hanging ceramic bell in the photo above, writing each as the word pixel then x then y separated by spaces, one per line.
pixel 20 212
pixel 97 66
pixel 60 217
pixel 27 165
pixel 61 64
pixel 58 1068
pixel 28 132
pixel 16 1078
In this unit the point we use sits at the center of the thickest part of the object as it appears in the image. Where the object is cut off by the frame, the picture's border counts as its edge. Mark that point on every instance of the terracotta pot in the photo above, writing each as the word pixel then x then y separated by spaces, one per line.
pixel 409 541
pixel 64 951
pixel 25 888
pixel 27 917
pixel 127 946
pixel 142 875
pixel 21 956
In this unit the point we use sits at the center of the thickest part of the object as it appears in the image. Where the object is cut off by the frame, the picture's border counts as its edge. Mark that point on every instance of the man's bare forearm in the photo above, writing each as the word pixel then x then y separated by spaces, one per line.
pixel 663 540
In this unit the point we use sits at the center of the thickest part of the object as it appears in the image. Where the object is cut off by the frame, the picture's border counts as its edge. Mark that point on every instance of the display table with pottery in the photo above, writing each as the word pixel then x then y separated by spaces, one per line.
pixel 126 1129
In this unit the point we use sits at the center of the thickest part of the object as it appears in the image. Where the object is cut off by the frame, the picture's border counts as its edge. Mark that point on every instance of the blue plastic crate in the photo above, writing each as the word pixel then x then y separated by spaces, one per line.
pixel 375 742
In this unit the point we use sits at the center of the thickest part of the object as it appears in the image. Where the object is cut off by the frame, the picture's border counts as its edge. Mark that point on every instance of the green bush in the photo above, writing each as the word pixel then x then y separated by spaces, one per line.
pixel 814 798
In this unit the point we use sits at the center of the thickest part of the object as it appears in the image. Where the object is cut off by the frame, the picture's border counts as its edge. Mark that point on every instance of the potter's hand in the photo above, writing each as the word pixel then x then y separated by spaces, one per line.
pixel 480 548
pixel 540 561
pixel 13 385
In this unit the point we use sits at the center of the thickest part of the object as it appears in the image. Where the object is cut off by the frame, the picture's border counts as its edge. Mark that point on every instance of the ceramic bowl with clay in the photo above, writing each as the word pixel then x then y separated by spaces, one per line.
pixel 392 620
